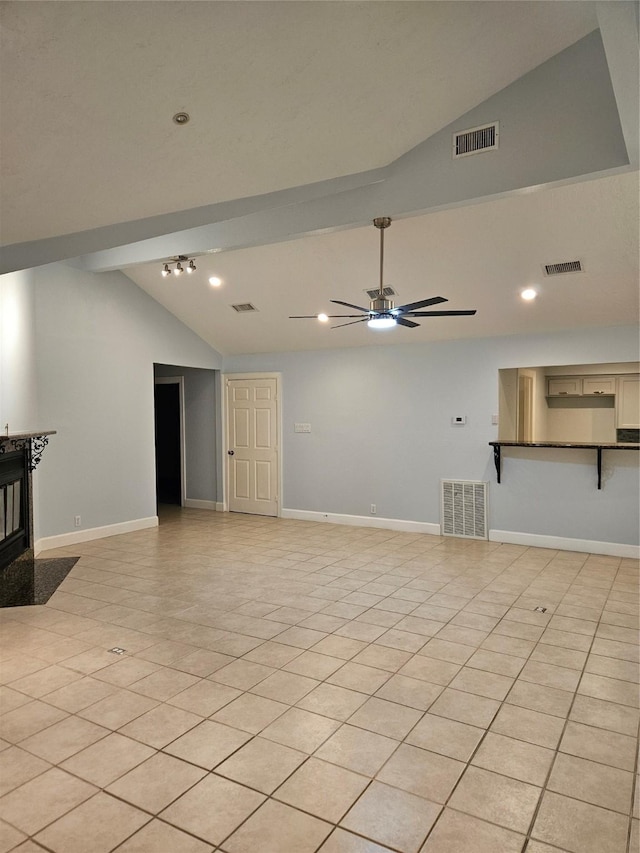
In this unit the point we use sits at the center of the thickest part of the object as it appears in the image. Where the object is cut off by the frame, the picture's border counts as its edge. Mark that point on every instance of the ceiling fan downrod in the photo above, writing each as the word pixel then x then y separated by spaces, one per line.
pixel 381 304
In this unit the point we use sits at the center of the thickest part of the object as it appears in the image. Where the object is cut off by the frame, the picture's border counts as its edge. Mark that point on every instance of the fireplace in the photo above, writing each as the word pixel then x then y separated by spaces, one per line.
pixel 15 518
pixel 23 579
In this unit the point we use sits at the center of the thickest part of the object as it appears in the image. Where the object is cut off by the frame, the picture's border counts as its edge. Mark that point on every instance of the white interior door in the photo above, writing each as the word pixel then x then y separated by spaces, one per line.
pixel 252 445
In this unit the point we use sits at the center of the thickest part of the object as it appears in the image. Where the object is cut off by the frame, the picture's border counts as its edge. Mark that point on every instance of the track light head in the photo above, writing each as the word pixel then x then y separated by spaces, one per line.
pixel 175 265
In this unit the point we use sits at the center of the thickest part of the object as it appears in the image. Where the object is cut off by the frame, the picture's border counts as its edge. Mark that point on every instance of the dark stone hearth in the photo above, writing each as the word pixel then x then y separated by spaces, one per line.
pixel 31 581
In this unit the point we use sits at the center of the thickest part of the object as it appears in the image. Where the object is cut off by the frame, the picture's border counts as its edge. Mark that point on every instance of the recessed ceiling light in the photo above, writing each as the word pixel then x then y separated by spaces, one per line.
pixel 214 281
pixel 529 294
pixel 323 318
pixel 181 118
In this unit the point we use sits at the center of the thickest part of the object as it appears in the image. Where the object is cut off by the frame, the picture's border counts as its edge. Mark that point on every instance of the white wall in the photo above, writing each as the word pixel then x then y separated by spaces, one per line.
pixel 381 433
pixel 98 336
pixel 18 392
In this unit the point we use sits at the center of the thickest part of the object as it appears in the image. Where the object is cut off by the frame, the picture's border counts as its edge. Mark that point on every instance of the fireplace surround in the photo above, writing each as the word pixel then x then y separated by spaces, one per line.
pixel 23 579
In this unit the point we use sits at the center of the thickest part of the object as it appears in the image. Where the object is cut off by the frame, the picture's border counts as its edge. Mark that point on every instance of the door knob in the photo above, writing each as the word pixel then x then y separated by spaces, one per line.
pixel 230 452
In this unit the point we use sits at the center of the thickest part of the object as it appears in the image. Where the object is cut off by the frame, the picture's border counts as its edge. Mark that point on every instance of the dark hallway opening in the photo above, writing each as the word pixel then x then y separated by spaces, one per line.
pixel 167 432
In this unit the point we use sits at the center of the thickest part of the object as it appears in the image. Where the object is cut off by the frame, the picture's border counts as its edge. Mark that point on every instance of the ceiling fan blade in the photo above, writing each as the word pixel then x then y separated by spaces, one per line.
pixel 352 323
pixel 440 313
pixel 423 303
pixel 349 305
pixel 315 316
pixel 408 323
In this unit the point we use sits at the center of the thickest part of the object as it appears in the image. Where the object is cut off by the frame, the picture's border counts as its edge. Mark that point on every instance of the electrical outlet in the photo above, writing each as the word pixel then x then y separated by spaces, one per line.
pixel 373 509
pixel 77 521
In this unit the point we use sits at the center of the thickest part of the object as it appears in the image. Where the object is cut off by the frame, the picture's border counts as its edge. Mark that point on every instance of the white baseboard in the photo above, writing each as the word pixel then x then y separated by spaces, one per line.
pixel 363 521
pixel 194 503
pixel 76 536
pixel 562 543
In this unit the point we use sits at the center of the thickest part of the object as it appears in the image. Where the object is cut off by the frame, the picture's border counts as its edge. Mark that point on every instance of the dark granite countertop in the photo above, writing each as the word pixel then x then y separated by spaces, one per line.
pixel 594 445
pixel 15 436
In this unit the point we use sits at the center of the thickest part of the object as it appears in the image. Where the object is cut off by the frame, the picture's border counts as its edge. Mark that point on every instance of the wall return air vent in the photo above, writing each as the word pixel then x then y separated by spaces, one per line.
pixel 244 307
pixel 563 267
pixel 475 140
pixel 463 509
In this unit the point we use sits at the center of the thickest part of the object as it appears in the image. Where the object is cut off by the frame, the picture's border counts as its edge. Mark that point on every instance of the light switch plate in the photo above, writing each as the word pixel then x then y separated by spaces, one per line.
pixel 458 420
pixel 302 427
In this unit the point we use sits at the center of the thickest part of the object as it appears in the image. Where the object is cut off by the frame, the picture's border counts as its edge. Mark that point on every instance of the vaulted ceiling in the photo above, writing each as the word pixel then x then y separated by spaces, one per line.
pixel 307 120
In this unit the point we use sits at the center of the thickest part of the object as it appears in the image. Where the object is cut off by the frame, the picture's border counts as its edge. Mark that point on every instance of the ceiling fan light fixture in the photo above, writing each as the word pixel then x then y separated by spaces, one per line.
pixel 381 322
pixel 323 318
pixel 382 313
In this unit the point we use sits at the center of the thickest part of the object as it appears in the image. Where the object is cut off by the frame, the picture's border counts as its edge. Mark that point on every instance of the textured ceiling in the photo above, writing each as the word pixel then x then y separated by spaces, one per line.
pixel 285 94
pixel 479 257
pixel 280 94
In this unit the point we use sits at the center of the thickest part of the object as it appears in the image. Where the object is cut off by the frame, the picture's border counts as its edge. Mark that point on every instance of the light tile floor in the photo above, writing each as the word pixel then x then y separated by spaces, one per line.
pixel 291 687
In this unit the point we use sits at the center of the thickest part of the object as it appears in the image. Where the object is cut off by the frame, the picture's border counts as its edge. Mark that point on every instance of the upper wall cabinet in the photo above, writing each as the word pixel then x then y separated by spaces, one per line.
pixel 599 385
pixel 628 402
pixel 581 386
pixel 570 386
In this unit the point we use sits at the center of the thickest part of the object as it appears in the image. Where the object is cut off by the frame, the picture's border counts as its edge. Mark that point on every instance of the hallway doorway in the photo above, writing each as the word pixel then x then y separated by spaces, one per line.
pixel 169 440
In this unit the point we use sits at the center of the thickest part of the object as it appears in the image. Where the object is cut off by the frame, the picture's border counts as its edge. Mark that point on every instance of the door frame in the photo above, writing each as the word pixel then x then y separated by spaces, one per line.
pixel 226 377
pixel 179 381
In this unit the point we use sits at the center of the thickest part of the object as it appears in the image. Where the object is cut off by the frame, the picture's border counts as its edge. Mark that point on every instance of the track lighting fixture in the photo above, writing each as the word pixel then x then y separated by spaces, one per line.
pixel 178 260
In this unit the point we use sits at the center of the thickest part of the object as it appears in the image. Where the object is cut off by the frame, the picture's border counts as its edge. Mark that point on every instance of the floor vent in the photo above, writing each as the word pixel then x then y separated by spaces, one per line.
pixel 563 267
pixel 476 140
pixel 464 508
pixel 244 307
pixel 375 294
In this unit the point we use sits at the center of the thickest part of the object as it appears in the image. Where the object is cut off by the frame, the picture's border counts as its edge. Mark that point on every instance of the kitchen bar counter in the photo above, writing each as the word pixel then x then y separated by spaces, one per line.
pixel 578 445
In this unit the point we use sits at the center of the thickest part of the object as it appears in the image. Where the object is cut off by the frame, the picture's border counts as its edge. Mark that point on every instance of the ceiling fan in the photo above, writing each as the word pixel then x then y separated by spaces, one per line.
pixel 381 313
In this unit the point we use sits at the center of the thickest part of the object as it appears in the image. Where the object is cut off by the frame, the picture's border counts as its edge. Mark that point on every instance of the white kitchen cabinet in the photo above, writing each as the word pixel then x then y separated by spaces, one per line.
pixel 628 402
pixel 564 386
pixel 598 385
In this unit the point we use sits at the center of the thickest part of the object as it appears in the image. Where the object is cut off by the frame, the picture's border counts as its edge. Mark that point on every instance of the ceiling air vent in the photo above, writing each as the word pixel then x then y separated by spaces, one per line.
pixel 563 267
pixel 244 307
pixel 387 291
pixel 476 140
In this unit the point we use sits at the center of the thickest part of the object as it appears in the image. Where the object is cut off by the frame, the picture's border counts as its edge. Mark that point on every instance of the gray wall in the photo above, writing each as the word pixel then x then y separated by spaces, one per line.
pixel 200 429
pixel 381 433
pixel 18 380
pixel 98 337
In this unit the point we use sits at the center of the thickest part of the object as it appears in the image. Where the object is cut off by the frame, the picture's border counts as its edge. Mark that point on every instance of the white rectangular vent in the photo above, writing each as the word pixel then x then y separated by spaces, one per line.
pixel 387 291
pixel 464 508
pixel 475 140
pixel 563 267
pixel 244 307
